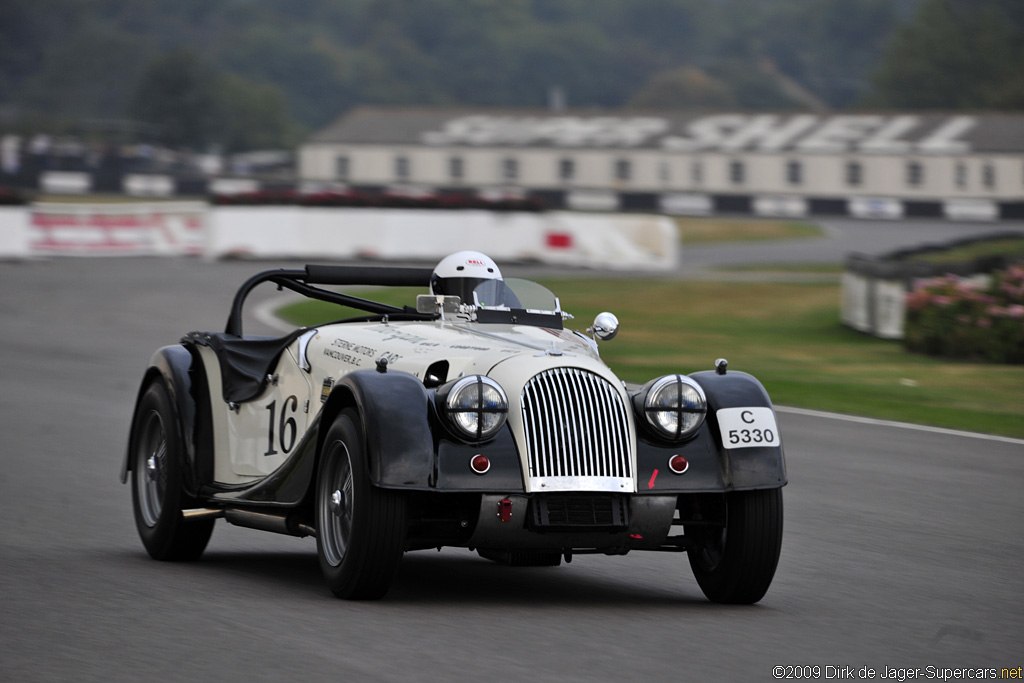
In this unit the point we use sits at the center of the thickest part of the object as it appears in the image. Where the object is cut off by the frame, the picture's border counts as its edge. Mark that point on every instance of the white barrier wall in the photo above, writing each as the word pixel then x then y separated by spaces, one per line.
pixel 162 228
pixel 856 306
pixel 611 241
pixel 780 206
pixel 874 305
pixel 617 241
pixel 875 207
pixel 14 239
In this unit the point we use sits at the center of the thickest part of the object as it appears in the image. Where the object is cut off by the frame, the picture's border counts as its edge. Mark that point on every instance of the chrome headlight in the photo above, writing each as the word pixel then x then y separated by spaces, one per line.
pixel 477 407
pixel 674 406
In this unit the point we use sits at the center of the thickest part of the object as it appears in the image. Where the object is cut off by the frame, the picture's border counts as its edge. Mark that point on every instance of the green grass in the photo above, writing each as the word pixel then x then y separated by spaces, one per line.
pixel 968 252
pixel 716 230
pixel 836 269
pixel 787 335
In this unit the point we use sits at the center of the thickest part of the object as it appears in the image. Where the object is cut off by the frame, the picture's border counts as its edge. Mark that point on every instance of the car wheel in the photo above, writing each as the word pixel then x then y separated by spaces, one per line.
pixel 157 455
pixel 736 563
pixel 360 527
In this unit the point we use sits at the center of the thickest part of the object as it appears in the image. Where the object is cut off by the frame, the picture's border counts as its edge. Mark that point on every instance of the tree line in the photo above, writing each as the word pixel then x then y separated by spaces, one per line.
pixel 248 74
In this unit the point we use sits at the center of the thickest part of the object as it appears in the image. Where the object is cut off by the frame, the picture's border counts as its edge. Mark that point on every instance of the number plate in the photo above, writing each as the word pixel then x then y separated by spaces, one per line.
pixel 748 427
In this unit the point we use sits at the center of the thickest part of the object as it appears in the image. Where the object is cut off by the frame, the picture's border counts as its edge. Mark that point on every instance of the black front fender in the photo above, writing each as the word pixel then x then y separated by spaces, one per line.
pixel 742 468
pixel 712 466
pixel 394 412
pixel 183 375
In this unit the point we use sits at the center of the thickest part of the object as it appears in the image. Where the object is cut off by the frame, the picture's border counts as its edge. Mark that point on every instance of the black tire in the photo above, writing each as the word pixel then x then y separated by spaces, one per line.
pixel 736 564
pixel 157 456
pixel 360 527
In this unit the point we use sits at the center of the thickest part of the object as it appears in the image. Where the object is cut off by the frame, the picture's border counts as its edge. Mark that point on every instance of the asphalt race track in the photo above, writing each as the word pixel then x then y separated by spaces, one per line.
pixel 903 548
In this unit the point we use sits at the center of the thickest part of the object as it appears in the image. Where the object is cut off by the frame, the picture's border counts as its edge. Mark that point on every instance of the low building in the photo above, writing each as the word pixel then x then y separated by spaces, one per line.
pixel 968 166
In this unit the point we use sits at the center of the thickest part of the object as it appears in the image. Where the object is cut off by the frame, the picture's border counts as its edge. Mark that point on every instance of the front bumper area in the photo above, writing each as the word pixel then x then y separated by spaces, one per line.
pixel 567 522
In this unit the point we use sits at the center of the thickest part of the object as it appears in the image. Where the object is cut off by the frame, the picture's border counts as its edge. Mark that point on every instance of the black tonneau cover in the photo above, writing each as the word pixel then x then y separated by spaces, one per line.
pixel 244 362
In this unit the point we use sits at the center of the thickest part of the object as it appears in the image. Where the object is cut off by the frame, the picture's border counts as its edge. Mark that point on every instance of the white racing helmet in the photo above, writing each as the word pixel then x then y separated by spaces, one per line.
pixel 460 273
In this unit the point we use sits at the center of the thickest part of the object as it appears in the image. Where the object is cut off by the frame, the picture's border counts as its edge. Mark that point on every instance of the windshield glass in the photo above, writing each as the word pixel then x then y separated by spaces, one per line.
pixel 517 294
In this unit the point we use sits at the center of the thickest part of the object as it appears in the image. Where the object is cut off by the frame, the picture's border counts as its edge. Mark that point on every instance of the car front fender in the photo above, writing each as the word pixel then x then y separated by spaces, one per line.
pixel 180 372
pixel 394 413
pixel 759 467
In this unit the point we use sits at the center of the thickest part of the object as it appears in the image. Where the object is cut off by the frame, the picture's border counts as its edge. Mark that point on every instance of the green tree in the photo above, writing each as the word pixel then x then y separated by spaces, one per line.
pixel 253 116
pixel 178 94
pixel 953 57
pixel 84 76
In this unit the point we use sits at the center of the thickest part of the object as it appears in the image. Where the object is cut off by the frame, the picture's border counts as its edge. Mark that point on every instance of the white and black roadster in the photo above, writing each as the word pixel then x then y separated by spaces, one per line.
pixel 473 419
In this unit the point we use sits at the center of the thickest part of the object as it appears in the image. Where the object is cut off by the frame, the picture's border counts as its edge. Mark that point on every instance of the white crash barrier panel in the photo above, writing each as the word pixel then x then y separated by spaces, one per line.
pixel 780 206
pixel 617 241
pixel 586 240
pixel 233 185
pixel 14 232
pixel 164 228
pixel 148 185
pixel 875 207
pixel 592 200
pixel 687 204
pixel 65 182
pixel 970 209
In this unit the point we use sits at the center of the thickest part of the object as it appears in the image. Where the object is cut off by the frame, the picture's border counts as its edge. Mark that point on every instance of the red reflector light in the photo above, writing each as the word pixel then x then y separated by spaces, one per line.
pixel 479 464
pixel 678 464
pixel 505 510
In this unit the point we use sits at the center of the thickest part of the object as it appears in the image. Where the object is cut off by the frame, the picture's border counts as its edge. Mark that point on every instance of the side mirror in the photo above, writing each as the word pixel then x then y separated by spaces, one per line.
pixel 605 326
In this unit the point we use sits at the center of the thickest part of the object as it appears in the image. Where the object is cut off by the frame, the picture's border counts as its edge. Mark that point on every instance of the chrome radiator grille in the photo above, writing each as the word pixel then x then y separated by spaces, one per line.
pixel 576 427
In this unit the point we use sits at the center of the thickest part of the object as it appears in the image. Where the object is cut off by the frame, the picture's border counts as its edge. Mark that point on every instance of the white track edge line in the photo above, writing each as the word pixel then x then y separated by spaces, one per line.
pixel 264 313
pixel 903 425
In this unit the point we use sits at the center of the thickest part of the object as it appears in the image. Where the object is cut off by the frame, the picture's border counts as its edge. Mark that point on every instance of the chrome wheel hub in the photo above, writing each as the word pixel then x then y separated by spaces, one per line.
pixel 151 474
pixel 337 503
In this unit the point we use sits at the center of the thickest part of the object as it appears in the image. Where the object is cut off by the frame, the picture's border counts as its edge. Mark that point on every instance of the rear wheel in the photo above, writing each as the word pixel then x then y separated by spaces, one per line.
pixel 736 563
pixel 157 497
pixel 360 527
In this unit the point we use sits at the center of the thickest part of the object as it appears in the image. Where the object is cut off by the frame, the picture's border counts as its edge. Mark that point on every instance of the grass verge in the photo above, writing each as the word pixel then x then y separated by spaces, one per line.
pixel 1010 246
pixel 787 335
pixel 714 230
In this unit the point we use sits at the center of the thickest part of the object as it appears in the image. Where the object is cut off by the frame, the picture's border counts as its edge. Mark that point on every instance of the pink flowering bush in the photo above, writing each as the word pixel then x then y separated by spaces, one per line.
pixel 951 317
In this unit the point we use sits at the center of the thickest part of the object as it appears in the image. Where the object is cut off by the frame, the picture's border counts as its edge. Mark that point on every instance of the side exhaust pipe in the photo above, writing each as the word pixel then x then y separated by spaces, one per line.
pixel 268 521
pixel 199 514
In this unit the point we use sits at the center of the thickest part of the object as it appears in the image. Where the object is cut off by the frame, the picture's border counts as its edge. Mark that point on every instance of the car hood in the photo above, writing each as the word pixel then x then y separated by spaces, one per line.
pixel 469 348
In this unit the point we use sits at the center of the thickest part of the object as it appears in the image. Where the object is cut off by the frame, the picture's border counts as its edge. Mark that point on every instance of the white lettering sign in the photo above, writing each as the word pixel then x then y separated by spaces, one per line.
pixel 872 134
pixel 560 131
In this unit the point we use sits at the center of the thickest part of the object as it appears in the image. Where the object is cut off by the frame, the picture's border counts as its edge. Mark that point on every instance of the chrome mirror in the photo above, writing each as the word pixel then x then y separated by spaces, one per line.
pixel 605 326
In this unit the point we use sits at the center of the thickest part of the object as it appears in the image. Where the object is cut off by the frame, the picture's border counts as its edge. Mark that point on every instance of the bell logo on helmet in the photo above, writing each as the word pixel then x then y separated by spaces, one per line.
pixel 475 262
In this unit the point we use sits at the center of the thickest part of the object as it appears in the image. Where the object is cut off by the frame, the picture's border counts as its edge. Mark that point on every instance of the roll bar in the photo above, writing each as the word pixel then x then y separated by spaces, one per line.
pixel 302 281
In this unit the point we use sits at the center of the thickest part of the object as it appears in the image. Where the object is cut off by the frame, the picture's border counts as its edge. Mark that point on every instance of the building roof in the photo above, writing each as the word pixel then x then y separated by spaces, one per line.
pixel 869 133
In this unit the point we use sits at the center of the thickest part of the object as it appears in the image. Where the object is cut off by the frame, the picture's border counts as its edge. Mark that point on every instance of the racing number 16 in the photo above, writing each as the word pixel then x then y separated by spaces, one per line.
pixel 287 430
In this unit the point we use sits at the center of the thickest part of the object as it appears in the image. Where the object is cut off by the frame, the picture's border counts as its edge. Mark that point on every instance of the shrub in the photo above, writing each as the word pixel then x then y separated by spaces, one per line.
pixel 958 318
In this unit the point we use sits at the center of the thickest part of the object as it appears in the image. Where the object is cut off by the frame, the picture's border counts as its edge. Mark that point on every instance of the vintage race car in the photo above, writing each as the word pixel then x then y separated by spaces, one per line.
pixel 473 419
